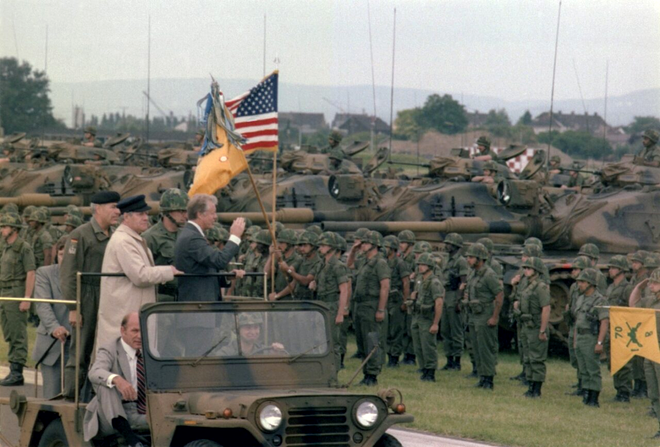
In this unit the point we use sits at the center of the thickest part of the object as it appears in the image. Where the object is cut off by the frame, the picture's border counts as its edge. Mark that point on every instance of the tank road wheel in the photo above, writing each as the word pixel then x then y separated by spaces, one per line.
pixel 388 440
pixel 54 435
pixel 203 443
pixel 558 298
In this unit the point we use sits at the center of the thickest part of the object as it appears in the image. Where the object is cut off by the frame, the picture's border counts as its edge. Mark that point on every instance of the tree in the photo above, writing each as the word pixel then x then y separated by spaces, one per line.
pixel 443 114
pixel 642 123
pixel 406 126
pixel 24 102
pixel 498 123
pixel 525 119
pixel 580 144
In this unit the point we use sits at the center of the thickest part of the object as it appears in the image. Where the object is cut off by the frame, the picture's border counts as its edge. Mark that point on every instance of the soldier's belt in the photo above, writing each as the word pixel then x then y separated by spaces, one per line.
pixel 328 298
pixel 366 298
pixel 12 283
pixel 583 331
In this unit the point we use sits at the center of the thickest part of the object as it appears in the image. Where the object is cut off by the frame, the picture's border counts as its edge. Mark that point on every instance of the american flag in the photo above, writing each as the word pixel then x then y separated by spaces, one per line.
pixel 255 115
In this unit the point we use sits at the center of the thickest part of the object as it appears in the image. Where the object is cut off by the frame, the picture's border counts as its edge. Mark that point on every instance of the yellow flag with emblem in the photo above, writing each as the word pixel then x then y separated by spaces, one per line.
pixel 633 331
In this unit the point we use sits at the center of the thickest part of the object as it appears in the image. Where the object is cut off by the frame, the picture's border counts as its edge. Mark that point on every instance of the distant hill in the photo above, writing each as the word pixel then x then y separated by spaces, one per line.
pixel 181 95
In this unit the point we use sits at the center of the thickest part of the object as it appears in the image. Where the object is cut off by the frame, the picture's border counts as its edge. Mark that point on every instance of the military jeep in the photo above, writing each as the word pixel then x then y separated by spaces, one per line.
pixel 256 374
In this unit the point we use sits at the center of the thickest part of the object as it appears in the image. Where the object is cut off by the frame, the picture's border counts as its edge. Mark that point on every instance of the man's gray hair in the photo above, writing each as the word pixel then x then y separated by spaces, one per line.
pixel 199 204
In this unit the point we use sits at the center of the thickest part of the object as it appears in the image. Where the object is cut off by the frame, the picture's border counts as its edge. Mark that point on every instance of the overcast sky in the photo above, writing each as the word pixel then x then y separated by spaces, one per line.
pixel 501 48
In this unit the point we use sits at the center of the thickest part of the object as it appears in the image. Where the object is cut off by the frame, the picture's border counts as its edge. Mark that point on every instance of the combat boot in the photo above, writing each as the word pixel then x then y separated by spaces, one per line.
pixel 578 390
pixel 519 376
pixel 450 364
pixel 457 363
pixel 408 359
pixel 15 377
pixel 392 361
pixel 624 397
pixel 430 375
pixel 537 389
pixel 341 365
pixel 586 396
pixel 369 380
pixel 488 383
pixel 473 374
pixel 523 380
pixel 593 401
pixel 644 391
pixel 530 390
pixel 480 384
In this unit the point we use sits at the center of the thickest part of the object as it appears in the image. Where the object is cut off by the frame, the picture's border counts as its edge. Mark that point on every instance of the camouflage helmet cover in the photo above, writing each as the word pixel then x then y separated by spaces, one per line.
pixel 555 159
pixel 28 210
pixel 279 226
pixel 316 229
pixel 375 238
pixel 263 237
pixel 483 141
pixel 652 135
pixel 288 236
pixel 38 215
pixel 581 263
pixel 589 250
pixel 335 135
pixel 532 251
pixel 426 259
pixel 342 245
pixel 173 199
pixel 406 237
pixel 245 319
pixel 10 220
pixel 328 238
pixel 90 129
pixel 73 210
pixel 477 250
pixel 391 241
pixel 620 262
pixel 212 234
pixel 490 165
pixel 486 242
pixel 534 263
pixel 73 221
pixel 651 261
pixel 362 234
pixel 533 241
pixel 589 275
pixel 224 234
pixel 422 247
pixel 308 237
pixel 454 239
pixel 639 256
pixel 655 276
pixel 10 208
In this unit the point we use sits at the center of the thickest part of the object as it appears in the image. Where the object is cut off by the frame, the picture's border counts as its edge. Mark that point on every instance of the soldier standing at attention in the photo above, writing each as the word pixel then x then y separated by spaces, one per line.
pixel 310 262
pixel 640 273
pixel 484 151
pixel 42 242
pixel 355 260
pixel 406 245
pixel 650 155
pixel 591 325
pixel 17 275
pixel 451 326
pixel 161 238
pixel 427 302
pixel 84 253
pixel 484 299
pixel 287 260
pixel 331 285
pixel 492 262
pixel 399 294
pixel 534 308
pixel 89 137
pixel 372 288
pixel 27 231
pixel 618 294
pixel 580 263
pixel 592 252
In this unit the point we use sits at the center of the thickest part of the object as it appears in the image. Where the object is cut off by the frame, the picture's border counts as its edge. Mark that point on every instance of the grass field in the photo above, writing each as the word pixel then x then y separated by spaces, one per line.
pixel 453 407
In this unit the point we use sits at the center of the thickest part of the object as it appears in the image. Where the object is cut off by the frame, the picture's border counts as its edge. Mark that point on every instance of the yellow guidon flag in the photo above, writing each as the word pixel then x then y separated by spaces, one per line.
pixel 633 331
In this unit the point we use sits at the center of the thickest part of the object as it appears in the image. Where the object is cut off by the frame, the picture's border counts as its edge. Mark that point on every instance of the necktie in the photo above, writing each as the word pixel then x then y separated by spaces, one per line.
pixel 142 395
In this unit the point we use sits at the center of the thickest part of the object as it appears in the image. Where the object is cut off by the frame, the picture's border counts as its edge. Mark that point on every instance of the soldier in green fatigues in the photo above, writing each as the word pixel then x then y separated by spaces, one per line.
pixel 42 242
pixel 27 231
pixel 592 252
pixel 84 252
pixel 334 139
pixel 55 232
pixel 484 152
pixel 640 273
pixel 245 258
pixel 310 262
pixel 651 369
pixel 17 268
pixel 286 260
pixel 254 286
pixel 650 155
pixel 343 333
pixel 618 294
pixel 89 137
pixel 406 245
pixel 451 326
pixel 331 284
pixel 355 260
pixel 492 262
pixel 580 263
pixel 591 325
pixel 484 301
pixel 372 287
pixel 426 303
pixel 534 308
pixel 399 294
pixel 71 223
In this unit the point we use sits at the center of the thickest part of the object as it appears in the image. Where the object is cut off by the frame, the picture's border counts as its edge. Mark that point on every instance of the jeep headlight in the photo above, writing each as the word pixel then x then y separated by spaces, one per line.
pixel 366 414
pixel 270 417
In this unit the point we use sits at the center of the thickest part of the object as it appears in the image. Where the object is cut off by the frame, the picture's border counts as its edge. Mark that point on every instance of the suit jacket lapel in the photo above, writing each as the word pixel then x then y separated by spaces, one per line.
pixel 122 359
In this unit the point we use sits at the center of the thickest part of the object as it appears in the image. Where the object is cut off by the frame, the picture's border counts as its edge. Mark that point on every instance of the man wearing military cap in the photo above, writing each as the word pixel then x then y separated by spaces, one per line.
pixel 484 152
pixel 84 253
pixel 161 237
pixel 591 325
pixel 579 264
pixel 305 273
pixel 592 252
pixel 650 155
pixel 89 137
pixel 71 223
pixel 490 171
pixel 455 274
pixel 286 261
pixel 27 232
pixel 399 294
pixel 17 274
pixel 406 246
pixel 42 242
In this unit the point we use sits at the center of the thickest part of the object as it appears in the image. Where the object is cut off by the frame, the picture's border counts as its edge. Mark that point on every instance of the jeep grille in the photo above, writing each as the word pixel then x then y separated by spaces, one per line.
pixel 318 427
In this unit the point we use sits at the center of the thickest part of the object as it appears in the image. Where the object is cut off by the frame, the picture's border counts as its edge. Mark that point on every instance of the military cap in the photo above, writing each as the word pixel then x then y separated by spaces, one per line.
pixel 288 236
pixel 28 210
pixel 90 129
pixel 620 262
pixel 652 135
pixel 73 221
pixel 535 264
pixel 426 259
pixel 651 261
pixel 655 276
pixel 477 250
pixel 589 250
pixel 335 135
pixel 133 204
pixel 375 238
pixel 103 197
pixel 589 275
pixel 391 241
pixel 639 256
pixel 454 239
pixel 308 237
pixel 263 237
pixel 483 141
pixel 581 263
pixel 406 236
pixel 73 210
pixel 555 159
pixel 422 247
pixel 362 234
pixel 38 215
pixel 10 220
pixel 533 241
pixel 328 238
pixel 212 234
pixel 316 229
pixel 490 165
pixel 245 319
pixel 10 208
pixel 532 251
pixel 486 242
pixel 342 245
pixel 173 199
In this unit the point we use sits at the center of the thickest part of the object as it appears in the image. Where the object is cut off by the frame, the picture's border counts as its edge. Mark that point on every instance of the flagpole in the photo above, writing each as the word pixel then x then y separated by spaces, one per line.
pixel 274 234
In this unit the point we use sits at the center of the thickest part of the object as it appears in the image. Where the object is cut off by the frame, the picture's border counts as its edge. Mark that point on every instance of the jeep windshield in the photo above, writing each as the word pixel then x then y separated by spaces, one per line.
pixel 214 334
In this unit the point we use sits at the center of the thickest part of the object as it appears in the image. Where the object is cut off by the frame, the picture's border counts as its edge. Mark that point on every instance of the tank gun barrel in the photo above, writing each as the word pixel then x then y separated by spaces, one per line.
pixel 290 215
pixel 402 163
pixel 41 200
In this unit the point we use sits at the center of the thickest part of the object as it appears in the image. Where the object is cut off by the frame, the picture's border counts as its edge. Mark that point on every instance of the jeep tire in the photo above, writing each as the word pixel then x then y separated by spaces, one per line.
pixel 201 443
pixel 388 440
pixel 54 435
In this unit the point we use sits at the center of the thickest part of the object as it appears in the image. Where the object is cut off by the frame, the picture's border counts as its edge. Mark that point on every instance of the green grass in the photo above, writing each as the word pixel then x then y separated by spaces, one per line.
pixel 454 407
pixel 32 335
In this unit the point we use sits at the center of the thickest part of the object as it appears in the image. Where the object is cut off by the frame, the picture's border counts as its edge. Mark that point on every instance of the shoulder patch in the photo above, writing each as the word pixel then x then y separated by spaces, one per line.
pixel 73 246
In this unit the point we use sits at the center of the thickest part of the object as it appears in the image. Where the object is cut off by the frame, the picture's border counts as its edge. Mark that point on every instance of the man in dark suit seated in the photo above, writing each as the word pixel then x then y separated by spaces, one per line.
pixel 194 255
pixel 117 376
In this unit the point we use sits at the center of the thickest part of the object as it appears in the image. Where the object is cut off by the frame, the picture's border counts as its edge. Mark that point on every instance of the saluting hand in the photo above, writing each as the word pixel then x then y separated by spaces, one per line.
pixel 237 227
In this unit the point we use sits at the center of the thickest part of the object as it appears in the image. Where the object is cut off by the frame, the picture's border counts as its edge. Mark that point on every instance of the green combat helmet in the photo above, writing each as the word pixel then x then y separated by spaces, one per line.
pixel 263 237
pixel 73 210
pixel 426 259
pixel 288 236
pixel 362 234
pixel 532 251
pixel 483 141
pixel 589 275
pixel 477 250
pixel 651 262
pixel 248 222
pixel 581 263
pixel 335 136
pixel 10 208
pixel 619 262
pixel 224 234
pixel 308 237
pixel 652 135
pixel 28 210
pixel 407 237
pixel 251 232
pixel 555 159
pixel 454 239
pixel 173 199
pixel 639 256
pixel 328 238
pixel 73 221
pixel 486 242
pixel 279 226
pixel 316 229
pixel 11 220
pixel 245 319
pixel 342 245
pixel 536 264
pixel 533 241
pixel 375 239
pixel 422 247
pixel 490 165
pixel 38 215
pixel 212 234
pixel 655 276
pixel 589 250
pixel 391 241
pixel 90 129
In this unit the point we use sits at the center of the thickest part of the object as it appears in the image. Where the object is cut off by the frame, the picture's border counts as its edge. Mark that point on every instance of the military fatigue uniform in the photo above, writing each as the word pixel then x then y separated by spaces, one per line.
pixel 329 277
pixel 16 261
pixel 587 326
pixel 573 295
pixel 254 286
pixel 396 317
pixel 41 240
pixel 652 369
pixel 423 312
pixel 618 295
pixel 242 283
pixel 451 325
pixel 496 266
pixel 307 266
pixel 366 297
pixel 576 181
pixel 358 263
pixel 54 232
pixel 83 252
pixel 489 151
pixel 483 287
pixel 638 363
pixel 406 341
pixel 282 279
pixel 650 154
pixel 533 299
pixel 161 242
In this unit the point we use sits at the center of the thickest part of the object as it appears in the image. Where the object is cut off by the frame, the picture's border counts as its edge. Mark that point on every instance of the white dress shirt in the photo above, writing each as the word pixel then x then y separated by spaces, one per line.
pixel 132 364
